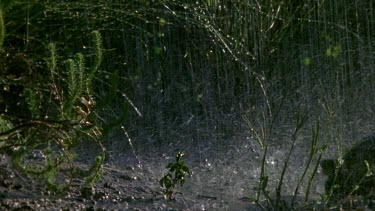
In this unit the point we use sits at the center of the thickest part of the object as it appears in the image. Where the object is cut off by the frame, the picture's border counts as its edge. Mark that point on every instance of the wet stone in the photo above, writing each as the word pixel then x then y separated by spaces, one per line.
pixel 126 177
pixel 17 186
pixel 129 168
pixel 101 195
pixel 109 185
pixel 87 192
pixel 130 199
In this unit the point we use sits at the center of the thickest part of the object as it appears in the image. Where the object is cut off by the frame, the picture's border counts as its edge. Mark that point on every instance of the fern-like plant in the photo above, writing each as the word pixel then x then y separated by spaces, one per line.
pixel 59 114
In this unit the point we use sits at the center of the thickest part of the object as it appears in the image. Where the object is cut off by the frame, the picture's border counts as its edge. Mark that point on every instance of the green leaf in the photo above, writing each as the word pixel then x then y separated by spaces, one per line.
pixel 174 166
pixel 307 61
pixel 162 21
pixel 186 169
pixel 178 168
pixel 264 182
pixel 169 165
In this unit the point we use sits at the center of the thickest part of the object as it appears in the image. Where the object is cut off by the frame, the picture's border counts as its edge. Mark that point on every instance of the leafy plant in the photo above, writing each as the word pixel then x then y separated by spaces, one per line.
pixel 60 116
pixel 51 109
pixel 176 175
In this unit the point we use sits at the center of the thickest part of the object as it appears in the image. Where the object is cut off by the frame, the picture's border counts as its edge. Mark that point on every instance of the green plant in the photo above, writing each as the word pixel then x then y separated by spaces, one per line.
pixel 51 109
pixel 2 29
pixel 268 121
pixel 60 116
pixel 176 175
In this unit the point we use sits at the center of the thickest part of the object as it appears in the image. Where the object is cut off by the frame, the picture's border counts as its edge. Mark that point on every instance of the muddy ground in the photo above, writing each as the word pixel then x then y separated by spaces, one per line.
pixel 122 187
pixel 132 183
pixel 225 172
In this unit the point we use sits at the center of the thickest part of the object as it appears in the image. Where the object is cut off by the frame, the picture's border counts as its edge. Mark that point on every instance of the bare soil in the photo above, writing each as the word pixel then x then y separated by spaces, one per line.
pixel 126 184
pixel 225 173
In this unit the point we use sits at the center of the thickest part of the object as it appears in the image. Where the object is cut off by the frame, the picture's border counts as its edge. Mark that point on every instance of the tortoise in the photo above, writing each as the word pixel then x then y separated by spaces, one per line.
pixel 356 174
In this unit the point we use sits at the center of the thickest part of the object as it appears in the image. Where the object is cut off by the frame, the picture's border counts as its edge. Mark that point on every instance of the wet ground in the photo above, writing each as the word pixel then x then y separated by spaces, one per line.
pixel 223 177
pixel 131 184
pixel 225 173
pixel 123 187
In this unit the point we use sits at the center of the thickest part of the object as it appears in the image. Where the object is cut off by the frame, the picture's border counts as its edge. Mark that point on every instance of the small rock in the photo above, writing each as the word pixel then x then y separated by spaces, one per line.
pixel 109 185
pixel 117 192
pixel 17 186
pixel 130 199
pixel 100 195
pixel 126 177
pixel 130 168
pixel 87 192
pixel 2 195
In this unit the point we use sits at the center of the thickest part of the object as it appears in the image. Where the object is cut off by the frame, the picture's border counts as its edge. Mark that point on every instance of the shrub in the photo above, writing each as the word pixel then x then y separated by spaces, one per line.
pixel 48 105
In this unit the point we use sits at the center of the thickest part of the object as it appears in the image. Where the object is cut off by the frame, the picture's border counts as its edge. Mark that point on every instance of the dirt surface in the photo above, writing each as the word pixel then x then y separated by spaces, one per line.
pixel 122 187
pixel 225 172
